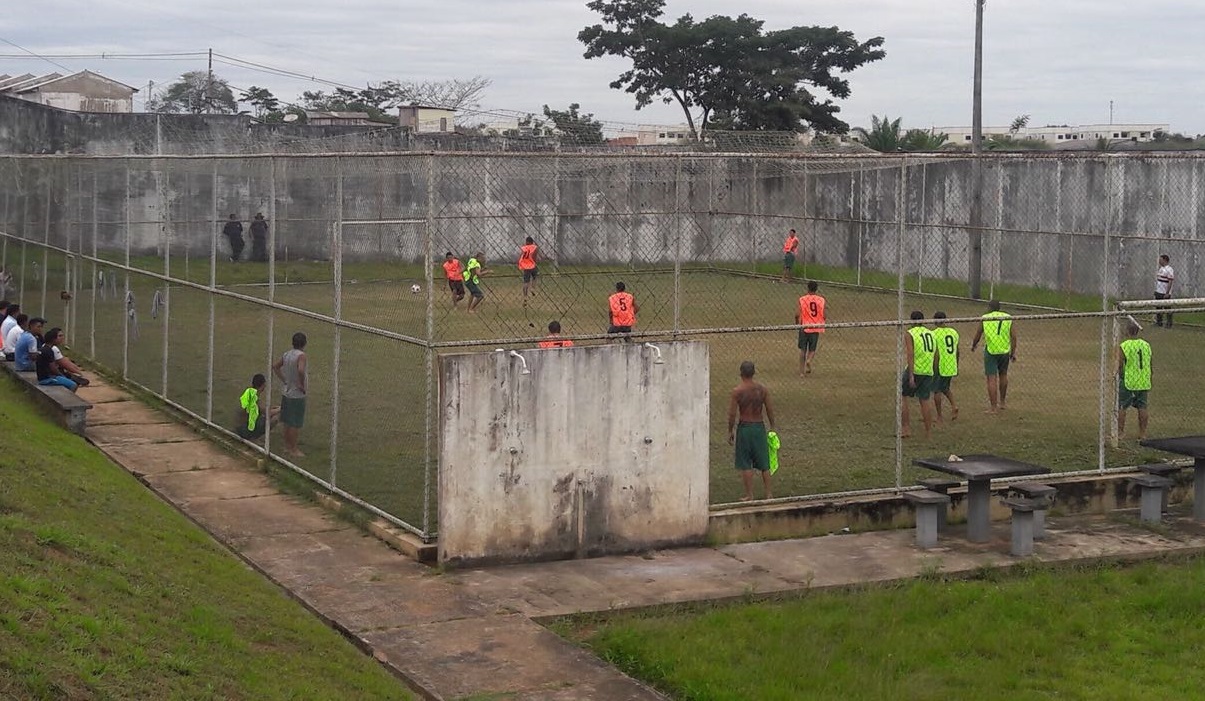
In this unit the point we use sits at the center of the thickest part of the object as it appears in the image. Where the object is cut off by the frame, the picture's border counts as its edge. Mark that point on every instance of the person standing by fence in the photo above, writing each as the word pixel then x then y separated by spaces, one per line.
pixel 947 364
pixel 789 249
pixel 291 370
pixel 810 317
pixel 233 231
pixel 259 238
pixel 1164 277
pixel 623 308
pixel 529 258
pixel 999 350
pixel 1134 380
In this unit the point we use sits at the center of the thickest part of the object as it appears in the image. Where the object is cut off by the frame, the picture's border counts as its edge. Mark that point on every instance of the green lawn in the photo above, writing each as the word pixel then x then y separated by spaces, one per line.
pixel 1092 633
pixel 837 425
pixel 108 593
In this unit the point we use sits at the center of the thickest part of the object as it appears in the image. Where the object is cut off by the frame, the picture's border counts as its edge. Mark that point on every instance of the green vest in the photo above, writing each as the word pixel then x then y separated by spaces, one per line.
pixel 250 403
pixel 997 333
pixel 924 347
pixel 947 351
pixel 1137 353
pixel 470 271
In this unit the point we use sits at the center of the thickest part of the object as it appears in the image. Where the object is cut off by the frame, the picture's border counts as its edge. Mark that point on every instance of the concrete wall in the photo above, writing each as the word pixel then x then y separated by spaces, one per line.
pixel 598 450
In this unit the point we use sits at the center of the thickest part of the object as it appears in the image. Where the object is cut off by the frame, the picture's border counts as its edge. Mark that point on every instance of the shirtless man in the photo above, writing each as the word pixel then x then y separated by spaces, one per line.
pixel 749 436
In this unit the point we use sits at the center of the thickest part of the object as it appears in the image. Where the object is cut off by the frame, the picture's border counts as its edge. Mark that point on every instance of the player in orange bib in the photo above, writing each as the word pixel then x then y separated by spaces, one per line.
pixel 455 277
pixel 623 309
pixel 810 318
pixel 790 248
pixel 553 339
pixel 529 257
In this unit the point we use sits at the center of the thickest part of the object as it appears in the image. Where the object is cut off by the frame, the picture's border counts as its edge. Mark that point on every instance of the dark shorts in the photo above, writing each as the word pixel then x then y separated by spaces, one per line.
pixel 529 275
pixel 788 261
pixel 923 389
pixel 292 412
pixel 808 341
pixel 1127 398
pixel 995 364
pixel 619 329
pixel 941 384
pixel 474 289
pixel 752 447
pixel 257 432
pixel 457 287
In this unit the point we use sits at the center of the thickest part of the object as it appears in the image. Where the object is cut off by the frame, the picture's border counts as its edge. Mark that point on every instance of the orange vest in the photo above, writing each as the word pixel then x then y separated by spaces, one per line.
pixel 527 256
pixel 811 311
pixel 556 342
pixel 452 269
pixel 623 309
pixel 791 245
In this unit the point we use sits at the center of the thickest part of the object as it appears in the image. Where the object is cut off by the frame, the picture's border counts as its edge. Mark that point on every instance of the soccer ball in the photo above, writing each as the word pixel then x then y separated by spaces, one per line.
pixel 415 289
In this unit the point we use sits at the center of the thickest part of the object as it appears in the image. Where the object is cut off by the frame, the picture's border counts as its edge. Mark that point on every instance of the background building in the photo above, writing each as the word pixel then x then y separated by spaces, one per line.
pixel 424 119
pixel 79 92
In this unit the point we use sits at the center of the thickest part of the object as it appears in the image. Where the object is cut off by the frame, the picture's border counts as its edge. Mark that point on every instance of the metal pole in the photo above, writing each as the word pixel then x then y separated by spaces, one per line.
pixel 857 218
pixel 46 248
pixel 213 283
pixel 924 238
pixel 899 335
pixel 125 313
pixel 976 222
pixel 95 234
pixel 337 254
pixel 809 231
pixel 678 246
pixel 429 356
pixel 999 226
pixel 271 283
pixel 166 236
pixel 1104 321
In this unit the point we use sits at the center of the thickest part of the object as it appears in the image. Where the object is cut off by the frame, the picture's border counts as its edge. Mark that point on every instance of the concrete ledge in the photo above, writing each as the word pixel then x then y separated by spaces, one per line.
pixel 1076 495
pixel 64 405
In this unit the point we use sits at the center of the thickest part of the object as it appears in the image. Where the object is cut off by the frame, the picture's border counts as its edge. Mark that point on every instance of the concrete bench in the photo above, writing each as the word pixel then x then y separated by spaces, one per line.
pixel 1153 496
pixel 929 505
pixel 1022 523
pixel 1038 492
pixel 67 405
pixel 1162 469
pixel 941 485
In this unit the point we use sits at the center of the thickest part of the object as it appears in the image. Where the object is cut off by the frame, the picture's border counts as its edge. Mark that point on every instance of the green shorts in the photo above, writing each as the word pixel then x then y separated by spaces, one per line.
pixel 923 389
pixel 808 341
pixel 788 261
pixel 995 364
pixel 941 384
pixel 292 411
pixel 752 447
pixel 1127 398
pixel 474 289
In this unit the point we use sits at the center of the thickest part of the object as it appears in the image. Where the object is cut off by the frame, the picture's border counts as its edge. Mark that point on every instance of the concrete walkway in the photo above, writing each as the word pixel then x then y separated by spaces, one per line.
pixel 471 633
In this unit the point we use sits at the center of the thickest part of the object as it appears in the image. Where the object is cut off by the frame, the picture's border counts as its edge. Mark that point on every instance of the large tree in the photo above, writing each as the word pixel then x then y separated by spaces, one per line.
pixel 729 69
pixel 380 99
pixel 196 92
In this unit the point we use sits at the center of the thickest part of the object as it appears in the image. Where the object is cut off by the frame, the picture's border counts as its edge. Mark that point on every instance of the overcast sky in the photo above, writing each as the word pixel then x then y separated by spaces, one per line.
pixel 1060 61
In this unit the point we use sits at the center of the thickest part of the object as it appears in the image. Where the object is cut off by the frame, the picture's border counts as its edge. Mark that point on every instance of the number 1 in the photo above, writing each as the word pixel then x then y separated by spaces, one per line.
pixel 1140 367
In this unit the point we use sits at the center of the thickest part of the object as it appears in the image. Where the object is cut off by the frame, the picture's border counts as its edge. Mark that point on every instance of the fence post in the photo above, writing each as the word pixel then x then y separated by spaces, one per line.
pixel 213 284
pixel 860 217
pixel 924 237
pixel 46 240
pixel 95 234
pixel 165 230
pixel 899 335
pixel 1110 222
pixel 677 245
pixel 429 356
pixel 337 254
pixel 125 309
pixel 272 224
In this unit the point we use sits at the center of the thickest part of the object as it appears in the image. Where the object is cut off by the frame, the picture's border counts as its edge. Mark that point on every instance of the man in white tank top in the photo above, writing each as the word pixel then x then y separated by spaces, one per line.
pixel 291 370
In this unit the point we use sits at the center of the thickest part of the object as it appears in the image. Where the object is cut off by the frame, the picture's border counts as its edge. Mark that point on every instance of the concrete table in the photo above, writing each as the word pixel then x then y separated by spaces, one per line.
pixel 1193 447
pixel 979 471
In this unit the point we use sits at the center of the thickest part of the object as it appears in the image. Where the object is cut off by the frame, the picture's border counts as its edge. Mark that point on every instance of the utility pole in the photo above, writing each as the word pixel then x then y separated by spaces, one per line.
pixel 150 95
pixel 1110 112
pixel 976 231
pixel 209 84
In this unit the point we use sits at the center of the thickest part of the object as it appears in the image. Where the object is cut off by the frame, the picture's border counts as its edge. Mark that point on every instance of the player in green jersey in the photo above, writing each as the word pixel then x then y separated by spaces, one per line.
pixel 1134 379
pixel 947 364
pixel 920 355
pixel 999 349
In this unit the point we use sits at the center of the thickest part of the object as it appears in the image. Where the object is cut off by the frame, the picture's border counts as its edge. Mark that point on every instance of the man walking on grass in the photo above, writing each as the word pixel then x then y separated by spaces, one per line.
pixel 999 351
pixel 291 370
pixel 920 354
pixel 747 403
pixel 1134 380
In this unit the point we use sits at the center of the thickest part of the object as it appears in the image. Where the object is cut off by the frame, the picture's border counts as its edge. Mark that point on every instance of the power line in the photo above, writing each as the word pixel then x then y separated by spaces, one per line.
pixel 31 53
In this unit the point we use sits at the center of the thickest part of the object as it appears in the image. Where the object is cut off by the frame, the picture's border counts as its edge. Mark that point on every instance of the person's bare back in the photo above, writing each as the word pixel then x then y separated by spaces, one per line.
pixel 750 399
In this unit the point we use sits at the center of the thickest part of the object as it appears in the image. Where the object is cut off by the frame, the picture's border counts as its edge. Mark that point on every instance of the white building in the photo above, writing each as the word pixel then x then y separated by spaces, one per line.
pixel 1063 135
pixel 663 135
pixel 425 119
pixel 80 92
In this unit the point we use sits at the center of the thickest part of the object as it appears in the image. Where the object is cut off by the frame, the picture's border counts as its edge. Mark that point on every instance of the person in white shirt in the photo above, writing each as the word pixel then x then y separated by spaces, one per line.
pixel 1164 278
pixel 7 325
pixel 10 341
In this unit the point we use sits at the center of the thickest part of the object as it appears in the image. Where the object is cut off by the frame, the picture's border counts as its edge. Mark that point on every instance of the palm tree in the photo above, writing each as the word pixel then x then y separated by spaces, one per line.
pixel 884 134
pixel 923 140
pixel 1018 123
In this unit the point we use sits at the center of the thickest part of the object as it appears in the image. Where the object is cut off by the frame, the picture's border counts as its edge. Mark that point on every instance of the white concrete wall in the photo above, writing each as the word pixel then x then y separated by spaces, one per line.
pixel 598 450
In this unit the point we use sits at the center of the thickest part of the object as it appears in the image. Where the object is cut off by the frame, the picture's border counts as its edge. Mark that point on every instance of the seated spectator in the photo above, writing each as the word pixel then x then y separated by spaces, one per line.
pixel 10 320
pixel 10 341
pixel 47 367
pixel 65 365
pixel 26 353
pixel 251 423
pixel 553 339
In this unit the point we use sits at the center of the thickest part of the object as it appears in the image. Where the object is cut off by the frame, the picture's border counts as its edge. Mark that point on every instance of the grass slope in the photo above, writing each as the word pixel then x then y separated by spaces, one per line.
pixel 1092 633
pixel 107 593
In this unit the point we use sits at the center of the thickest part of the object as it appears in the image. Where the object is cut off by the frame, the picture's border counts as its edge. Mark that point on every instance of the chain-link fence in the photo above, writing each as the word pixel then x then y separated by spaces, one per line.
pixel 189 275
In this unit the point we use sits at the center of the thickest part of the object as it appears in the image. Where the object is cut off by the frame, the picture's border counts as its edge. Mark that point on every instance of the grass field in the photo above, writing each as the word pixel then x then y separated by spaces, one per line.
pixel 108 593
pixel 1090 633
pixel 837 425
